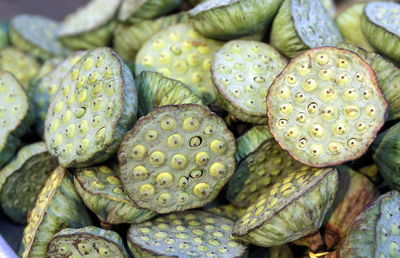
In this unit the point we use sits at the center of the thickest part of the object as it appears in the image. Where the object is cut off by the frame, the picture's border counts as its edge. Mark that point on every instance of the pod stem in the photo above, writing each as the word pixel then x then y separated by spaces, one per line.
pixel 313 241
pixel 331 236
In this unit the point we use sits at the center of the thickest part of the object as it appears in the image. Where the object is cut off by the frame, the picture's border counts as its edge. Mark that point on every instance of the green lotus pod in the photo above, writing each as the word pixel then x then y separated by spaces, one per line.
pixel 103 193
pixel 95 105
pixel 129 38
pixel 242 72
pixel 229 19
pixel 37 35
pixel 185 234
pixel 329 6
pixel 4 34
pixel 156 90
pixel 178 157
pixel 90 26
pixel 24 67
pixel 58 206
pixel 380 25
pixel 375 232
pixel 291 209
pixel 181 53
pixel 250 141
pixel 326 107
pixel 23 178
pixel 349 24
pixel 228 211
pixel 133 11
pixel 86 242
pixel 300 25
pixel 258 172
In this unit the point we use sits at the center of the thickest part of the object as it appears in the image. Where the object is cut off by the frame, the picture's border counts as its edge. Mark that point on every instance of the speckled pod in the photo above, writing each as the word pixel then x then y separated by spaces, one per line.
pixel 58 206
pixel 250 141
pixel 228 211
pixel 229 19
pixel 23 178
pixel 95 105
pixel 300 25
pixel 376 231
pixel 4 34
pixel 102 193
pixel 90 26
pixel 275 219
pixel 186 234
pixel 326 107
pixel 86 242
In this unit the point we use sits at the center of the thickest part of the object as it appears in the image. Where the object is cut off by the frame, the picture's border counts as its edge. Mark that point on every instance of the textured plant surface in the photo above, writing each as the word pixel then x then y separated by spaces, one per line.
pixel 250 141
pixel 4 34
pixel 228 211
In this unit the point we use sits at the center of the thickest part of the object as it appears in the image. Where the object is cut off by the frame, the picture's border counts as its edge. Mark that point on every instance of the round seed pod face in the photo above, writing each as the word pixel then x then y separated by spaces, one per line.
pixel 94 107
pixel 176 158
pixel 250 141
pixel 181 53
pixel 186 234
pixel 242 72
pixel 133 11
pixel 325 108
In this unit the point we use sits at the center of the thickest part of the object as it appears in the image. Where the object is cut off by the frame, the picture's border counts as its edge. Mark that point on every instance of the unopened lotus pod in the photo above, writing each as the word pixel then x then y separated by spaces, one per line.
pixel 4 34
pixel 250 141
pixel 87 242
pixel 23 178
pixel 376 231
pixel 258 172
pixel 380 25
pixel 103 193
pixel 37 35
pixel 176 158
pixel 278 217
pixel 133 11
pixel 300 25
pixel 207 17
pixel 155 90
pixel 182 54
pixel 58 206
pixel 228 211
pixel 90 26
pixel 185 234
pixel 242 73
pixel 95 105
pixel 326 107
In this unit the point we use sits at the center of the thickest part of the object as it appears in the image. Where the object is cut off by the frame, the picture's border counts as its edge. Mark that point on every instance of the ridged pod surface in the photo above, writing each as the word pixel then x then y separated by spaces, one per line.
pixel 95 105
pixel 242 73
pixel 86 242
pixel 250 141
pixel 228 211
pixel 181 53
pixel 326 107
pixel 103 193
pixel 186 234
pixel 23 178
pixel 176 158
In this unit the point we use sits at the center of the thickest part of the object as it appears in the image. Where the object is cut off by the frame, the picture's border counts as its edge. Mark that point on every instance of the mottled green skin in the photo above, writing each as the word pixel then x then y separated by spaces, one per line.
pixel 376 231
pixel 4 34
pixel 250 141
pixel 8 149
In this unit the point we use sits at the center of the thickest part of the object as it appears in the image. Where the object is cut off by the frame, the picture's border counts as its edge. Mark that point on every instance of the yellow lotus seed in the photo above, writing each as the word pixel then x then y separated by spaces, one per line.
pixel 217 170
pixel 146 191
pixel 322 58
pixel 316 150
pixel 88 64
pixel 340 128
pixel 218 146
pixel 105 170
pixel 309 85
pixel 157 158
pixel 179 161
pixel 201 190
pixel 71 131
pixel 284 92
pixel 190 123
pixel 312 108
pixel 325 74
pixel 302 143
pixel 291 79
pixel 317 130
pixel 202 158
pixel 83 127
pixel 66 117
pixel 167 123
pixel 151 135
pixel 139 151
pixel 164 179
pixel 329 113
pixel 299 97
pixel 98 184
pixel 58 106
pixel 328 94
pixel 352 143
pixel 351 111
pixel 335 147
pixel 113 180
pixel 164 198
pixel 140 172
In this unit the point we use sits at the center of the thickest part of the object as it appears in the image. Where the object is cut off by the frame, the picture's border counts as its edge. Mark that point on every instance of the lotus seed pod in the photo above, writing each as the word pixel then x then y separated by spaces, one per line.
pixel 375 232
pixel 23 178
pixel 155 90
pixel 228 211
pixel 242 72
pixel 229 19
pixel 182 54
pixel 300 25
pixel 258 172
pixel 58 206
pixel 250 141
pixel 4 34
pixel 103 193
pixel 46 67
pixel 185 234
pixel 37 35
pixel 381 26
pixel 95 105
pixel 178 157
pixel 276 218
pixel 90 26
pixel 133 11
pixel 86 242
pixel 326 107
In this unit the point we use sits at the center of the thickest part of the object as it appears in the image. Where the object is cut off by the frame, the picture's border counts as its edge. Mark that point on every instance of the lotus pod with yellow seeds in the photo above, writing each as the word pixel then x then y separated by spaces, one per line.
pixel 249 141
pixel 294 207
pixel 326 107
pixel 228 211
pixel 103 193
pixel 186 234
pixel 95 105
pixel 58 206
pixel 178 157
pixel 242 73
pixel 182 54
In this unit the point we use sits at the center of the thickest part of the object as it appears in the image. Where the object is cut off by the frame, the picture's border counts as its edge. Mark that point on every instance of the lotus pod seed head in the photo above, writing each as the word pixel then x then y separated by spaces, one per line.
pixel 228 211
